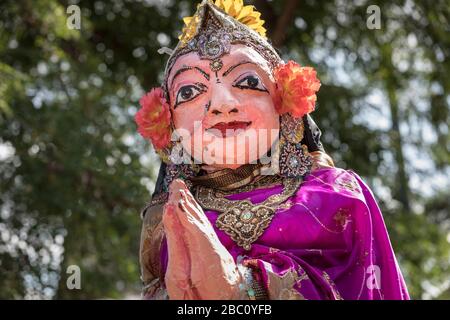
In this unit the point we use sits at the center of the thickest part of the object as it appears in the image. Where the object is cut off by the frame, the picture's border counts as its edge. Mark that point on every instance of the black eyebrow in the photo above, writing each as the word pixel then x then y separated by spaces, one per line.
pixel 187 68
pixel 235 66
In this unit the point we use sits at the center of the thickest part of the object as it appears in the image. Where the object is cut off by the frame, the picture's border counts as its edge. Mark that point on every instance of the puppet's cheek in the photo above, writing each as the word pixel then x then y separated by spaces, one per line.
pixel 265 121
pixel 188 116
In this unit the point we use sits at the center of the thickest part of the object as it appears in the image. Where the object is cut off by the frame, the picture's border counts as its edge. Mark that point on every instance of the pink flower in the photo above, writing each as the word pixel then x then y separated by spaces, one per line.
pixel 296 89
pixel 153 119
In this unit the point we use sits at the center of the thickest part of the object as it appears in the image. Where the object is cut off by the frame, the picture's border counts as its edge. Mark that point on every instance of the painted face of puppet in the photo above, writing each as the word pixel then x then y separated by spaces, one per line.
pixel 224 111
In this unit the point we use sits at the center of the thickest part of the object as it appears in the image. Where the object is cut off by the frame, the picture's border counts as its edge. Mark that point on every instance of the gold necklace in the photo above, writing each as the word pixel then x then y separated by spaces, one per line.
pixel 243 220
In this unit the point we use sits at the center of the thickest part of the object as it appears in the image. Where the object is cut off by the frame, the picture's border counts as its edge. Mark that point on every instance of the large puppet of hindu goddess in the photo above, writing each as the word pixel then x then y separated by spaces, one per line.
pixel 247 204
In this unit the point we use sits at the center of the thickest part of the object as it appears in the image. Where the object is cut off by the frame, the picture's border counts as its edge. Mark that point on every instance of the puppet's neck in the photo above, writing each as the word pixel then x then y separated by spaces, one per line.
pixel 227 179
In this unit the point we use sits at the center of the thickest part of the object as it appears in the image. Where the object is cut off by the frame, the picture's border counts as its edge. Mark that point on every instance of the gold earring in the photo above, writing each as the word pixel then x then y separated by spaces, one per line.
pixel 294 161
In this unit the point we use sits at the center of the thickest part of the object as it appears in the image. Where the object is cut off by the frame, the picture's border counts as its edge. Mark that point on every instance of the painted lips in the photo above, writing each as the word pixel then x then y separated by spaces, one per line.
pixel 228 129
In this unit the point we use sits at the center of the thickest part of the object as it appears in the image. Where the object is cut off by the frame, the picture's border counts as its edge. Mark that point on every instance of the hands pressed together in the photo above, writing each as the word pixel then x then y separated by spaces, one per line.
pixel 199 267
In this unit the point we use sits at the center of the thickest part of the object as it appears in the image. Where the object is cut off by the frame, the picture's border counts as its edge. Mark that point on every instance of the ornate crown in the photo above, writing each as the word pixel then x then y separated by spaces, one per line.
pixel 246 15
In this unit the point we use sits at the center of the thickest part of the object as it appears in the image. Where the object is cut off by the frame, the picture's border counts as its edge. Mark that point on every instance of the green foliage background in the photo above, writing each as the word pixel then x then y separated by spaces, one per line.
pixel 74 174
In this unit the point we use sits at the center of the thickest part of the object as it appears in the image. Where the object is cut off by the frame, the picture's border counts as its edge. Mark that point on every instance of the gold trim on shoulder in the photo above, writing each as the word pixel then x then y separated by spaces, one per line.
pixel 243 220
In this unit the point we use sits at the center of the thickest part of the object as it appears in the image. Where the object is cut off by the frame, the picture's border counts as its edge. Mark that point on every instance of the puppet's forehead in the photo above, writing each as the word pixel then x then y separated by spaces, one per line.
pixel 213 30
pixel 239 54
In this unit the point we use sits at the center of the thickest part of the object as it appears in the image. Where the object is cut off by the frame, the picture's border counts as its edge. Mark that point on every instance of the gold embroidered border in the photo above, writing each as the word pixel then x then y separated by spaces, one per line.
pixel 243 220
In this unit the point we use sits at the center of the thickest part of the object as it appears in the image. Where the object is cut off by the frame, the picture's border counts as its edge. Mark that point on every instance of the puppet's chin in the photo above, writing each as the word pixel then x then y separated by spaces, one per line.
pixel 232 151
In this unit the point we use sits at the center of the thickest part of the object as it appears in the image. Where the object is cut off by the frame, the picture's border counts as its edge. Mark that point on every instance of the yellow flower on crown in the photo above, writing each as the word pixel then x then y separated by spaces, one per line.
pixel 246 15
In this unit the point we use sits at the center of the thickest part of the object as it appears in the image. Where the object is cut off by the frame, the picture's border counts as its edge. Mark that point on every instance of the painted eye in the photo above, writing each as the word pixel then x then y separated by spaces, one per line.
pixel 250 82
pixel 187 93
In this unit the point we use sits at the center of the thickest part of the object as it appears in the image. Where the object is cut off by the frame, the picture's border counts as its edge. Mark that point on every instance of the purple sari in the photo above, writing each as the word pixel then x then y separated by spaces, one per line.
pixel 329 241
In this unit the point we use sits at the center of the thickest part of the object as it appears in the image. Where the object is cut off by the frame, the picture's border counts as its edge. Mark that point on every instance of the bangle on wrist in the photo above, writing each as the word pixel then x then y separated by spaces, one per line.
pixel 254 289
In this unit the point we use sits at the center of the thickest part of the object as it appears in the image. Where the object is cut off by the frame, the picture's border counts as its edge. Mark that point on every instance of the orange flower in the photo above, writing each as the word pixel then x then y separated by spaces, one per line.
pixel 296 89
pixel 153 119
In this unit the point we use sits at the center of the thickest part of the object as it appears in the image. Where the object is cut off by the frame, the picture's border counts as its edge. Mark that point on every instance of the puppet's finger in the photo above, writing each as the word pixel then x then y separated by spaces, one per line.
pixel 177 277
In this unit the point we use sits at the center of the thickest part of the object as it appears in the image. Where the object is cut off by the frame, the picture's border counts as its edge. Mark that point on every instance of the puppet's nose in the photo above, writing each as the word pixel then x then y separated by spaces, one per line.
pixel 223 102
pixel 224 109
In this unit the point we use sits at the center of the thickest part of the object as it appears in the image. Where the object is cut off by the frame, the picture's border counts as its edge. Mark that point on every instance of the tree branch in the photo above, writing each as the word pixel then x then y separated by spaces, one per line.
pixel 279 34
